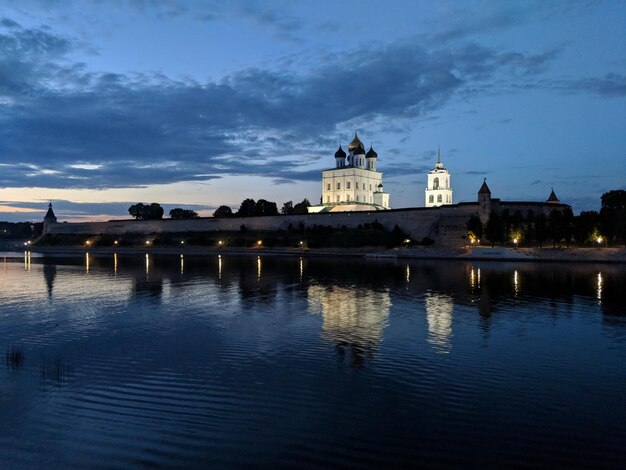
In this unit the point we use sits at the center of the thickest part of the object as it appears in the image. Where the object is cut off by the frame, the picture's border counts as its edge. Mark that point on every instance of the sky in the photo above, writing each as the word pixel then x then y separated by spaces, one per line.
pixel 197 104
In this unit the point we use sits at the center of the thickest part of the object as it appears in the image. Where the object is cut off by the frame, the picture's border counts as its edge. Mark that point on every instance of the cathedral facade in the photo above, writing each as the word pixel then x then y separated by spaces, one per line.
pixel 354 184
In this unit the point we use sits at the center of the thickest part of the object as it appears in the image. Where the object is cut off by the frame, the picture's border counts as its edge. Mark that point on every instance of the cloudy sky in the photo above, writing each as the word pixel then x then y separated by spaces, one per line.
pixel 198 103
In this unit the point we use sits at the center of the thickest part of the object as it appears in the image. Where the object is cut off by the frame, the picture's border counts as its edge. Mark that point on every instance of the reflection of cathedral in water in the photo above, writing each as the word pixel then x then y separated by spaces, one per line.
pixel 439 309
pixel 354 319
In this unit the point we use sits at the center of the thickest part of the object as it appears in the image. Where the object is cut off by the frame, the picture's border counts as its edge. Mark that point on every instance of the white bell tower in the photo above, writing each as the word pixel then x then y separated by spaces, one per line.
pixel 438 190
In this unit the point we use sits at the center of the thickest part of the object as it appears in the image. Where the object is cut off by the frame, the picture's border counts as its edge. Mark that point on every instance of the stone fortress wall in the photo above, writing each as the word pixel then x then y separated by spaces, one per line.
pixel 418 222
pixel 445 224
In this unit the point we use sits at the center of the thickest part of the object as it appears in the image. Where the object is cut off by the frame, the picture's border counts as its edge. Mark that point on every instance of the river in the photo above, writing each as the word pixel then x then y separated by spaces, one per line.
pixel 230 361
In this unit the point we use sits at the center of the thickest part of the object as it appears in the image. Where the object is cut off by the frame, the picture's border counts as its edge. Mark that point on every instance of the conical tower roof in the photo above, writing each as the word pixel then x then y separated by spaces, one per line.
pixel 484 189
pixel 50 213
pixel 552 197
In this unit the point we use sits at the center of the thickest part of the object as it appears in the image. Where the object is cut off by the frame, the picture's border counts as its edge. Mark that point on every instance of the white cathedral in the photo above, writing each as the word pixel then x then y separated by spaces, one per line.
pixel 355 185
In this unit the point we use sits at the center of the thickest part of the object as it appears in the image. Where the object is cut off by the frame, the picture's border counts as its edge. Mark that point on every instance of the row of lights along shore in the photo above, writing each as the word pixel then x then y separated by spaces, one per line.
pixel 182 242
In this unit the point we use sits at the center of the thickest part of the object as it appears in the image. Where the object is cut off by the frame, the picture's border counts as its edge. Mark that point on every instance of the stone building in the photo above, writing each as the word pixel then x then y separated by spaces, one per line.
pixel 439 189
pixel 354 184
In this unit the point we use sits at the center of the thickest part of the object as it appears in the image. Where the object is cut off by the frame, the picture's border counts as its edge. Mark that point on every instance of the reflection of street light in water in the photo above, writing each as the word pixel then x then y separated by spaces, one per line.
pixel 87 262
pixel 439 308
pixel 599 282
pixel 258 268
pixel 516 282
pixel 219 267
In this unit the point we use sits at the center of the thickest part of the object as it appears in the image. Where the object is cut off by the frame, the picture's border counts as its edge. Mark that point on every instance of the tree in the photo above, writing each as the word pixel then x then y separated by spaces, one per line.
pixel 541 229
pixel 613 215
pixel 474 228
pixel 495 229
pixel 142 211
pixel 179 213
pixel 585 225
pixel 246 209
pixel 567 229
pixel 223 211
pixel 301 207
pixel 555 227
pixel 263 207
pixel 287 208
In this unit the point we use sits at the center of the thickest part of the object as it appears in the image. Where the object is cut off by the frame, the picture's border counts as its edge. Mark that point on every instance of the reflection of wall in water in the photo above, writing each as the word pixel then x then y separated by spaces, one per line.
pixel 352 318
pixel 439 308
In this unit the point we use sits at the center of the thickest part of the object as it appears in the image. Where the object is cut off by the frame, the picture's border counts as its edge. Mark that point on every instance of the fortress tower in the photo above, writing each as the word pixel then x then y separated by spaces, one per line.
pixel 438 190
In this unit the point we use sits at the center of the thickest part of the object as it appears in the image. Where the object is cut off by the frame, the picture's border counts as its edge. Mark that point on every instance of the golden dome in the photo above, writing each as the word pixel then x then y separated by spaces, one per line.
pixel 355 144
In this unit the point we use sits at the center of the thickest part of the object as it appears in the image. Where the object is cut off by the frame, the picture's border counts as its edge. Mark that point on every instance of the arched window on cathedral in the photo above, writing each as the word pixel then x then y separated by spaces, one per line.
pixel 348 185
pixel 328 187
pixel 431 198
pixel 439 198
pixel 436 183
pixel 338 185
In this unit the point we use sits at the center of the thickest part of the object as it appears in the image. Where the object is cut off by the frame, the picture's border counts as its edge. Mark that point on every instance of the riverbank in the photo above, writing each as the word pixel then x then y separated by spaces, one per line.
pixel 596 255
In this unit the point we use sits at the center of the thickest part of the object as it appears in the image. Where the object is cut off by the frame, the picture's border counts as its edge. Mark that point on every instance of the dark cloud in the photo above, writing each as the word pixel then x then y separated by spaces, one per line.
pixel 611 84
pixel 65 126
pixel 8 23
pixel 475 172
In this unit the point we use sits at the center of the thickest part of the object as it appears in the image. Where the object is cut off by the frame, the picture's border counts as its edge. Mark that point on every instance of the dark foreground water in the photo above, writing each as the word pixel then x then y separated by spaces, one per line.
pixel 236 361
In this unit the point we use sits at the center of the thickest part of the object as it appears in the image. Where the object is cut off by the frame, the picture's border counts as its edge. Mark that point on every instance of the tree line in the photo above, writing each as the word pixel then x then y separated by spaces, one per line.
pixel 560 227
pixel 247 208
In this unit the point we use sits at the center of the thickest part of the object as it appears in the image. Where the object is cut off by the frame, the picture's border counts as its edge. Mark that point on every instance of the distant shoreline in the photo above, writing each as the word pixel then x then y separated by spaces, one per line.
pixel 584 255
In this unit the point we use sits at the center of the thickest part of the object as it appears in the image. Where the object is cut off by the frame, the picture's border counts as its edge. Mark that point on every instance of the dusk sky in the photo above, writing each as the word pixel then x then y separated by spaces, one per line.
pixel 196 104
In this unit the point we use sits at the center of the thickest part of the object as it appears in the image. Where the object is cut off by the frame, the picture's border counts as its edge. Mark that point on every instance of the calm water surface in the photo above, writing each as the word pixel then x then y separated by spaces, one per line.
pixel 242 361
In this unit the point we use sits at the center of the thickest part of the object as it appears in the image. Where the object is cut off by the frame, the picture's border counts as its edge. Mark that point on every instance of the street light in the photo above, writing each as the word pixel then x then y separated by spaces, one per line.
pixel 116 242
pixel 515 240
pixel 147 242
pixel 220 243
pixel 259 242
pixel 599 240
